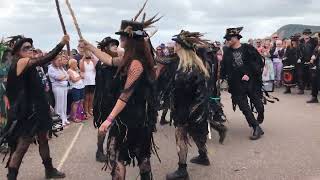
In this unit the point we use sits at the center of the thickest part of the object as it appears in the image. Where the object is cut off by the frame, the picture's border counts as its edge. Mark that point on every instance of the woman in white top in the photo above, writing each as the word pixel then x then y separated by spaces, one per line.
pixel 77 91
pixel 59 80
pixel 87 68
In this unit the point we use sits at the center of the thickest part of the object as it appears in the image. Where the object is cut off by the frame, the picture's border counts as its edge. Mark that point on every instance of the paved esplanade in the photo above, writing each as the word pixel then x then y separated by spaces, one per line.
pixel 289 150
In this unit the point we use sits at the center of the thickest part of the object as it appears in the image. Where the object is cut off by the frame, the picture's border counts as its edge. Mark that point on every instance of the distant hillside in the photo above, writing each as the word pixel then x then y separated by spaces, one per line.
pixel 291 29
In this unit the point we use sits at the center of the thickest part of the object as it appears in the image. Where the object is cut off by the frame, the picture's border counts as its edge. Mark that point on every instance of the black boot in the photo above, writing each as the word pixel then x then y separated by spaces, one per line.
pixel 313 100
pixel 100 156
pixel 202 159
pixel 180 174
pixel 12 174
pixel 288 91
pixel 301 92
pixel 260 118
pixel 146 176
pixel 257 133
pixel 222 133
pixel 222 130
pixel 51 172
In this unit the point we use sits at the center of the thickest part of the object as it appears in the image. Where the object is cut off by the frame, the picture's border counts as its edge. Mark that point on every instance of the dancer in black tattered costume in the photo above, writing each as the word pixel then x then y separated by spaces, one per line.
pixel 107 87
pixel 29 113
pixel 132 119
pixel 189 101
pixel 216 118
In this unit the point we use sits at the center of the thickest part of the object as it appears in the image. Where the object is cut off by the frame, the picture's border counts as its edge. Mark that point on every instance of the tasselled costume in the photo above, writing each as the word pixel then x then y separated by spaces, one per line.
pixel 107 85
pixel 216 118
pixel 106 92
pixel 29 117
pixel 190 104
pixel 130 139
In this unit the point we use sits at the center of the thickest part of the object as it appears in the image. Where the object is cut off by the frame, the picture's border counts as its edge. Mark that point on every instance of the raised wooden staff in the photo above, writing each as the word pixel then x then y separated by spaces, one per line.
pixel 74 19
pixel 62 24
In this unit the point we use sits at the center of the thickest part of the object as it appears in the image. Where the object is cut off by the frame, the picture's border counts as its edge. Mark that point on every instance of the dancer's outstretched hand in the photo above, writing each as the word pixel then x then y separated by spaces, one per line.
pixel 65 39
pixel 104 127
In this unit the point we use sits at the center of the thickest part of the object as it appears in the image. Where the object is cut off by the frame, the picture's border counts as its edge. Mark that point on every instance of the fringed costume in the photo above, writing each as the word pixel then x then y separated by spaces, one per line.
pixel 105 96
pixel 190 103
pixel 29 113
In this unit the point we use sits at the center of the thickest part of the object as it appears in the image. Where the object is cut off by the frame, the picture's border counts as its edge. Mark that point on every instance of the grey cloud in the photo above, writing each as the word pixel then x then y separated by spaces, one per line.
pixel 100 18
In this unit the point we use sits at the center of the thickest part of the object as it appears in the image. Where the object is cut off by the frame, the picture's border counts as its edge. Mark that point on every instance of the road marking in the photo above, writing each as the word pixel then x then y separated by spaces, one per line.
pixel 66 155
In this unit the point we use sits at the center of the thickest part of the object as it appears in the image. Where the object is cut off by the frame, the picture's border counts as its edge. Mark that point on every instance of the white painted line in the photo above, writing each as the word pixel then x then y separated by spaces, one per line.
pixel 66 155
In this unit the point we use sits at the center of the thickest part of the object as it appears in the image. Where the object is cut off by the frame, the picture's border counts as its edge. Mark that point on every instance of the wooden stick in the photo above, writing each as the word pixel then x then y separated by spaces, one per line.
pixel 62 24
pixel 74 19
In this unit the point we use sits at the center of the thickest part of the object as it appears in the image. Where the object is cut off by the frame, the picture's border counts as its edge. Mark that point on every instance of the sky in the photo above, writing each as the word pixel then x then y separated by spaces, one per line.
pixel 38 19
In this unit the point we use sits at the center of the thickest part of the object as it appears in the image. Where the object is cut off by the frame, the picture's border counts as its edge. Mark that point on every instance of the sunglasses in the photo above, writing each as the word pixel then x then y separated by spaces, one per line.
pixel 27 48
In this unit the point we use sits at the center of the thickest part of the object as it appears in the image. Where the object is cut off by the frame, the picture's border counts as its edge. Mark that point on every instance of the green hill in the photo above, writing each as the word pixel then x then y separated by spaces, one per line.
pixel 291 29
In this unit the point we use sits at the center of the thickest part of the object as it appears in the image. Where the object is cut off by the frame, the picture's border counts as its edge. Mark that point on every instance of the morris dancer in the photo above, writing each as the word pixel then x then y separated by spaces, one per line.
pixel 242 66
pixel 291 57
pixel 105 96
pixel 130 123
pixel 29 113
pixel 190 101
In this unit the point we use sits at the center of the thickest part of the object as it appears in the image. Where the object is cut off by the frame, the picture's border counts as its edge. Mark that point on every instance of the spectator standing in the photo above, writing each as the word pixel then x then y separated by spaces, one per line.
pixel 59 79
pixel 87 67
pixel 268 71
pixel 77 91
pixel 259 46
pixel 276 56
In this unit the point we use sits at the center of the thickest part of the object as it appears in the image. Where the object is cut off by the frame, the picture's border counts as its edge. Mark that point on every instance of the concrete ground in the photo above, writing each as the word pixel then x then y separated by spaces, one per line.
pixel 289 149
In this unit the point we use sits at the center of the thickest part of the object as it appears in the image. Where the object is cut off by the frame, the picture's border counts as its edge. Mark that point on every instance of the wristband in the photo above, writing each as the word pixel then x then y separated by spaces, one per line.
pixel 110 119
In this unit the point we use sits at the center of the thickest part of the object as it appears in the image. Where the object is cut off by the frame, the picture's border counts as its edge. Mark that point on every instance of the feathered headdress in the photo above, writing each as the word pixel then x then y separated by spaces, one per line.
pixel 190 40
pixel 135 29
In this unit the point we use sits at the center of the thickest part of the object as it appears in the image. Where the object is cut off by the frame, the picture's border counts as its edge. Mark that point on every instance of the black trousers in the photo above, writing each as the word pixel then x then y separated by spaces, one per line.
pixel 244 106
pixel 315 83
pixel 303 76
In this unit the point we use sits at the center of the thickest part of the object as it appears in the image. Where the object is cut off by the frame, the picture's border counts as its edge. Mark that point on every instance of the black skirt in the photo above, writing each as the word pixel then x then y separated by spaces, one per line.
pixel 129 145
pixel 36 119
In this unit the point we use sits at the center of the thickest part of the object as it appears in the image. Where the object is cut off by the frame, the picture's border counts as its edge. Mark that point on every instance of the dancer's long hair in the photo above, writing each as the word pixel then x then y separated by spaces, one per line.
pixel 138 49
pixel 189 59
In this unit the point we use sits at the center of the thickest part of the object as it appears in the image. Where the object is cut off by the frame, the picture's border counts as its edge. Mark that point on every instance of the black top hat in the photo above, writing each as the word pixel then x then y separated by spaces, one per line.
pixel 307 32
pixel 18 44
pixel 106 42
pixel 233 32
pixel 189 40
pixel 132 29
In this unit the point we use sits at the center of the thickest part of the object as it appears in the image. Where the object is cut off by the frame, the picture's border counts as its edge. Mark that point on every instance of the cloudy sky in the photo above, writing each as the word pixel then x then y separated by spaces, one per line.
pixel 100 18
